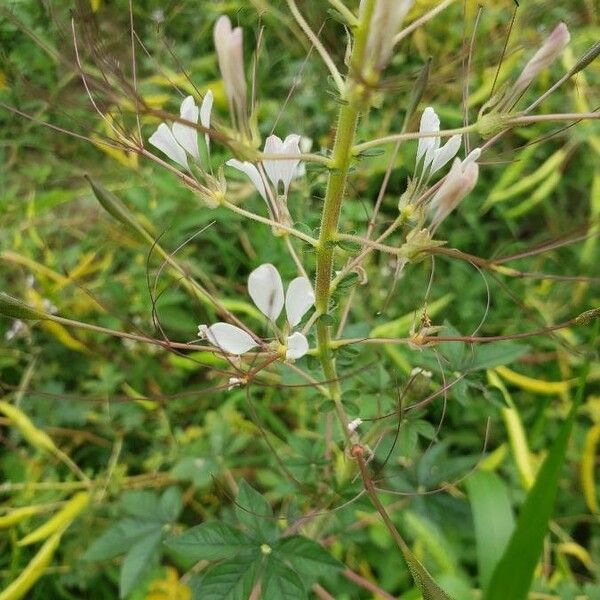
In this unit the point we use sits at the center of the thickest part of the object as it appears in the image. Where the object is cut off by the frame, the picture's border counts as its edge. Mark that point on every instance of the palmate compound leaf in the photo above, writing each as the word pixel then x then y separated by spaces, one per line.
pixel 210 541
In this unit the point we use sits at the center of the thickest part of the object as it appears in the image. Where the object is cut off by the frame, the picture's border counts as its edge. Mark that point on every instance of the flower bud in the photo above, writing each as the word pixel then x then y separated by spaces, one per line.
pixel 385 24
pixel 459 182
pixel 550 50
pixel 230 54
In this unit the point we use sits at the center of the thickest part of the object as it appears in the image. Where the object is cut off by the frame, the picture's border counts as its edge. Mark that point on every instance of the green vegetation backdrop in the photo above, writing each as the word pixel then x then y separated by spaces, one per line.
pixel 131 469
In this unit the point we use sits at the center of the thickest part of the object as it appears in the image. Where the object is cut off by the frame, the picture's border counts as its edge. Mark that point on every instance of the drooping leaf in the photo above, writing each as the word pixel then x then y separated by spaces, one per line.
pixel 488 356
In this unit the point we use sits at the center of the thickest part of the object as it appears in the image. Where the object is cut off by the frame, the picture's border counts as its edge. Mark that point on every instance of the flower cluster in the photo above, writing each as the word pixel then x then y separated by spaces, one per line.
pixel 431 158
pixel 266 290
pixel 179 140
pixel 271 176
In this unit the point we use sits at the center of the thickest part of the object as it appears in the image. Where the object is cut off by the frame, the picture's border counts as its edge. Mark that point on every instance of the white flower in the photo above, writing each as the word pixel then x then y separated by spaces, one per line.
pixel 229 338
pixel 435 156
pixel 16 328
pixel 179 140
pixel 165 141
pixel 266 290
pixel 234 382
pixel 420 371
pixel 297 346
pixel 274 170
pixel 459 182
pixel 230 54
pixel 282 170
pixel 354 425
pixel 277 170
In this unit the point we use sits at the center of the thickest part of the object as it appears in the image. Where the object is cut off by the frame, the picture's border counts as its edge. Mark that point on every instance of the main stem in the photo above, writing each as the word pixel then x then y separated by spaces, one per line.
pixel 353 101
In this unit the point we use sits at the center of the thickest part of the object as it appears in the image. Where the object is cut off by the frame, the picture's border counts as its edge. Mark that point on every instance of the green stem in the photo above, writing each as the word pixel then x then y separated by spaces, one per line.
pixel 353 101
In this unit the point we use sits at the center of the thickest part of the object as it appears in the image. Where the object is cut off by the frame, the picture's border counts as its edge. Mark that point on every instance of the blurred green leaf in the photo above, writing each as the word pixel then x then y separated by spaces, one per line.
pixel 513 574
pixel 493 518
pixel 139 559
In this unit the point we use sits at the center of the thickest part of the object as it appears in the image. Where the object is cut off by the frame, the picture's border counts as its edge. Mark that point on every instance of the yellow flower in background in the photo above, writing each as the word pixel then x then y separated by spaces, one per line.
pixel 169 588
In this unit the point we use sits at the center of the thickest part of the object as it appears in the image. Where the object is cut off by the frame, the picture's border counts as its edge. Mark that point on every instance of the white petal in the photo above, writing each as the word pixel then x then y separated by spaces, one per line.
pixel 289 168
pixel 282 170
pixel 206 109
pixel 297 346
pixel 205 113
pixel 430 123
pixel 266 290
pixel 273 145
pixel 446 153
pixel 252 172
pixel 298 299
pixel 355 424
pixel 165 141
pixel 473 156
pixel 228 338
pixel 185 135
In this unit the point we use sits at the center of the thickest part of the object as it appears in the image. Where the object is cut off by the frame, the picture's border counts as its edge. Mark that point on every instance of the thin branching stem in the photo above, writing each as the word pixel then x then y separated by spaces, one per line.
pixel 314 40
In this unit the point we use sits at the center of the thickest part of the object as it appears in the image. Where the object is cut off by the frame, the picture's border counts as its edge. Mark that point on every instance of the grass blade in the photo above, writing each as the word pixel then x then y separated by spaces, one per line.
pixel 513 575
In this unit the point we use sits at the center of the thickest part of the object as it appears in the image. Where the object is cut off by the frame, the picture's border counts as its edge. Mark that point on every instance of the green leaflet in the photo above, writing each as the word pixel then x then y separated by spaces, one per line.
pixel 493 519
pixel 137 561
pixel 210 541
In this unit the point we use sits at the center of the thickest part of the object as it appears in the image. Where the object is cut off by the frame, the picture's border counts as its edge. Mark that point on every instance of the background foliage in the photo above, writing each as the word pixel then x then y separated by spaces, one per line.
pixel 168 447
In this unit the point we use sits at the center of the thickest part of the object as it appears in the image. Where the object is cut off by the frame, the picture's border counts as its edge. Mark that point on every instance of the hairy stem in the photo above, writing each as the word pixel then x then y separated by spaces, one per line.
pixel 353 100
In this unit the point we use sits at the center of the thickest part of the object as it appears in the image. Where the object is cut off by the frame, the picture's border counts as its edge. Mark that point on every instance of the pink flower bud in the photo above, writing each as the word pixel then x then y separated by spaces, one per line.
pixel 459 182
pixel 550 50
pixel 230 53
pixel 385 24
